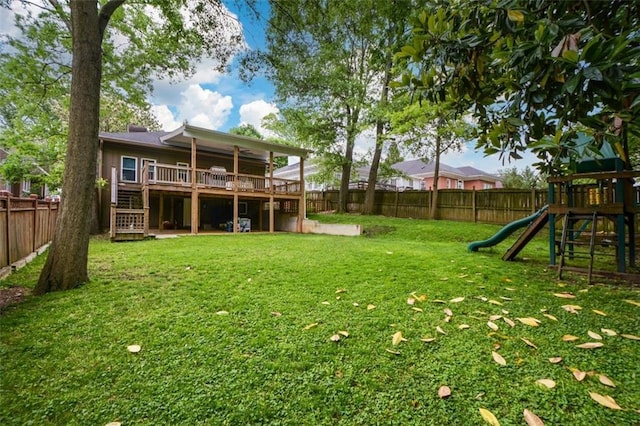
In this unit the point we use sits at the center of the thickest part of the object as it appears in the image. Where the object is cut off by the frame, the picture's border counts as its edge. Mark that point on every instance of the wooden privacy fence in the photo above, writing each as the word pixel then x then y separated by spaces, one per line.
pixel 499 206
pixel 26 224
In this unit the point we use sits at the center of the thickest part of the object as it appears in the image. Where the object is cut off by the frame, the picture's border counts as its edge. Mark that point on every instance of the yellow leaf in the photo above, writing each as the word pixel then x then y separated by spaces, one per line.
pixel 444 392
pixel 343 333
pixel 531 419
pixel 427 339
pixel 594 335
pixel 457 300
pixel 392 352
pixel 440 330
pixel 492 325
pixel 590 345
pixel 529 342
pixel 633 302
pixel 370 307
pixel 489 417
pixel 113 424
pixel 447 319
pixel 606 381
pixel 356 304
pixel 415 308
pixel 529 321
pixel 508 321
pixel 276 314
pixel 507 280
pixel 573 309
pixel 630 336
pixel 498 358
pixel 605 400
pixel 397 338
pixel 222 313
pixel 565 295
pixel 548 383
pixel 448 312
pixel 341 290
pixel 555 360
pixel 495 302
pixel 506 298
pixel 310 326
pixel 551 317
pixel 495 317
pixel 569 338
pixel 463 326
pixel 579 375
pixel 510 289
pixel 608 331
pixel 515 16
pixel 438 301
pixel 134 349
pixel 411 301
pixel 335 338
pixel 599 312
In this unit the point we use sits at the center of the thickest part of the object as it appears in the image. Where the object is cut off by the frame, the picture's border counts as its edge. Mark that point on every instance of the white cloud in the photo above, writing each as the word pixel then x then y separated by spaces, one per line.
pixel 200 107
pixel 253 113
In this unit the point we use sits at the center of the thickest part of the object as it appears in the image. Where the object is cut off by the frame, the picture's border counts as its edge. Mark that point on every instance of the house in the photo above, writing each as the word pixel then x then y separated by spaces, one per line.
pixel 359 177
pixel 195 179
pixel 416 174
pixel 25 187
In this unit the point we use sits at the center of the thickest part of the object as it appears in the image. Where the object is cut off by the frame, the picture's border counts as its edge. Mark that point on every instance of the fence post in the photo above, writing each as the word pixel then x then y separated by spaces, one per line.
pixel 534 208
pixel 35 223
pixel 474 206
pixel 396 206
pixel 8 227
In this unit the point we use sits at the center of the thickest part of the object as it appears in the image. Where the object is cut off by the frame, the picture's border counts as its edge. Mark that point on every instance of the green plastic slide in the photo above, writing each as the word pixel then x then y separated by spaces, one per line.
pixel 507 230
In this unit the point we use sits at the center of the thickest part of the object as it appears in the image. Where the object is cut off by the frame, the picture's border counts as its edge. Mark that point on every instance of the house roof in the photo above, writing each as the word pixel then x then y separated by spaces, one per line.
pixel 207 139
pixel 418 168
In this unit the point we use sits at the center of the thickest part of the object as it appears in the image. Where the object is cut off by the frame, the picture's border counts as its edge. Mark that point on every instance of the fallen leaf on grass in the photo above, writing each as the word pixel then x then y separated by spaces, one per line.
pixel 463 326
pixel 630 336
pixel 529 321
pixel 594 335
pixel 528 342
pixel 495 317
pixel 134 349
pixel 447 319
pixel 440 330
pixel 548 383
pixel 397 338
pixel 531 419
pixel 492 325
pixel 495 302
pixel 343 333
pixel 444 392
pixel 356 304
pixel 569 338
pixel 551 317
pixel 605 400
pixel 222 313
pixel 510 289
pixel 606 381
pixel 113 424
pixel 498 358
pixel 599 312
pixel 392 352
pixel 573 309
pixel 555 360
pixel 416 309
pixel 508 321
pixel 608 332
pixel 335 338
pixel 411 301
pixel 506 298
pixel 326 303
pixel 489 417
pixel 590 345
pixel 457 300
pixel 370 307
pixel 633 302
pixel 341 290
pixel 448 312
pixel 310 326
pixel 276 314
pixel 439 301
pixel 565 295
pixel 579 375
pixel 427 339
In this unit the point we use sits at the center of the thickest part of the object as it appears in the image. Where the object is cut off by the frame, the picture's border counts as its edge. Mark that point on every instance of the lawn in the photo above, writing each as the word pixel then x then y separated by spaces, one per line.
pixel 240 329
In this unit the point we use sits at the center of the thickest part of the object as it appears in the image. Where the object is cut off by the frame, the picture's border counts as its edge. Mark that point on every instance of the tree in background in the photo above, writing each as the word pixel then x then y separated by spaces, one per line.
pixel 535 72
pixel 158 38
pixel 526 178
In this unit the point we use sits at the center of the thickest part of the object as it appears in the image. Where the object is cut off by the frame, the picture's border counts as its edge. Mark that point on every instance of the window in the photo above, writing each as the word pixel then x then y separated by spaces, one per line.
pixel 448 183
pixel 26 187
pixel 460 184
pixel 129 169
pixel 488 185
pixel 151 176
pixel 183 171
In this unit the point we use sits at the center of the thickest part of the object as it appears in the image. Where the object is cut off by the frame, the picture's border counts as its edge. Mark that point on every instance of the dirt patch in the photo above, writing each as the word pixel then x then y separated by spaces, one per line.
pixel 11 296
pixel 373 231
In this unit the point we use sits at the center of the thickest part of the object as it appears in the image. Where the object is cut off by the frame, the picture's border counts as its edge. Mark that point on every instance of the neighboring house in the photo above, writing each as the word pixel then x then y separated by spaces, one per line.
pixel 195 179
pixel 24 187
pixel 360 177
pixel 416 174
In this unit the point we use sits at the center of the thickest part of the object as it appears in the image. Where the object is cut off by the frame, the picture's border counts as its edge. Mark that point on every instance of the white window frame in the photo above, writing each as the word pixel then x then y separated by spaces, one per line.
pixel 448 183
pixel 460 184
pixel 135 170
pixel 182 174
pixel 25 187
pixel 152 169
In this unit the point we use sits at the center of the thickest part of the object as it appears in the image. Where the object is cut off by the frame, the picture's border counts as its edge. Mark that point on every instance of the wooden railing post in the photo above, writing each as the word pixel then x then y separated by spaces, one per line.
pixel 8 227
pixel 35 223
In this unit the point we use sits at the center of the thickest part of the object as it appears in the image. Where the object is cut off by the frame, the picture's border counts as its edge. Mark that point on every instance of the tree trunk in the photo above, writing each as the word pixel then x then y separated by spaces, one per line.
pixel 66 265
pixel 352 121
pixel 436 175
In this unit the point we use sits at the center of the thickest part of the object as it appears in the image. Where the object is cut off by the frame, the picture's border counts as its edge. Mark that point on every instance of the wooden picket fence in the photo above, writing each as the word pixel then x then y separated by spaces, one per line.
pixel 499 206
pixel 26 225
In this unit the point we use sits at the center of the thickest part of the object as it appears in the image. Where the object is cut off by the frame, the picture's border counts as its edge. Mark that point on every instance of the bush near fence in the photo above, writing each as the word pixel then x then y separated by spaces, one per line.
pixel 26 225
pixel 499 206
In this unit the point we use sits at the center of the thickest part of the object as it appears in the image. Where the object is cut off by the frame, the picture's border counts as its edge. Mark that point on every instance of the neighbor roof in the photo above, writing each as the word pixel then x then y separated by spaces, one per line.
pixel 419 168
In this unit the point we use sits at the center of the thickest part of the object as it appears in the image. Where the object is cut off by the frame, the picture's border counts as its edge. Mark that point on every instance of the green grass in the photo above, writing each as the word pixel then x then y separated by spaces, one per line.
pixel 64 358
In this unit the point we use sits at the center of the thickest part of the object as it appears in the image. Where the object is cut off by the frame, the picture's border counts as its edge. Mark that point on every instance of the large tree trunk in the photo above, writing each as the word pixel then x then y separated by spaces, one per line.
pixel 343 194
pixel 66 265
pixel 370 193
pixel 436 176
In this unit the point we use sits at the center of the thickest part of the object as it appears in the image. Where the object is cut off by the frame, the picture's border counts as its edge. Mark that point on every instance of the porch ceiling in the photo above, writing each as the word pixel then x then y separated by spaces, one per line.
pixel 215 141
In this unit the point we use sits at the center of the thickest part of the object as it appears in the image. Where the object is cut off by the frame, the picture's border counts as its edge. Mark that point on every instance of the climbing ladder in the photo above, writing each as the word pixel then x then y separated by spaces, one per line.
pixel 574 245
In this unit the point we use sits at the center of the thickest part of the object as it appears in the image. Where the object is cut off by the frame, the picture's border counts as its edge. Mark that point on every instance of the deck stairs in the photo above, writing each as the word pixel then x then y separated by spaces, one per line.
pixel 129 215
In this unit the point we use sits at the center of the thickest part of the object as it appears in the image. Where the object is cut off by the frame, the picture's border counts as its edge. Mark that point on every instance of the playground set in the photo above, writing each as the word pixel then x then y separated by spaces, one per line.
pixel 592 220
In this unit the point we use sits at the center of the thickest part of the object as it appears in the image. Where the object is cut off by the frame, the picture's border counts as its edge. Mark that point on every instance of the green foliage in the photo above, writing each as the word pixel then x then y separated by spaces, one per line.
pixel 532 71
pixel 246 130
pixel 65 360
pixel 526 178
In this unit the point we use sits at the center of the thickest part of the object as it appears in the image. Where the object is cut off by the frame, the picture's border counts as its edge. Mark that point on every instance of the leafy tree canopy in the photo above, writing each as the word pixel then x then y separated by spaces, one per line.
pixel 522 179
pixel 533 72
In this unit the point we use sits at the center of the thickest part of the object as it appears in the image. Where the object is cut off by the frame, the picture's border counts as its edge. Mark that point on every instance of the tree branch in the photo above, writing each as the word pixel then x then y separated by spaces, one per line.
pixel 63 16
pixel 105 14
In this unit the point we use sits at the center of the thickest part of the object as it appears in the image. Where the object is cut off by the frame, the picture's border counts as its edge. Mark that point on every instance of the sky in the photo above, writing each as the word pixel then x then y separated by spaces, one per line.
pixel 222 101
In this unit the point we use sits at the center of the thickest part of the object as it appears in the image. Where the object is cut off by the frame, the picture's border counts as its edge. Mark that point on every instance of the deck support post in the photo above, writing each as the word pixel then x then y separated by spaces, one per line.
pixel 302 205
pixel 194 189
